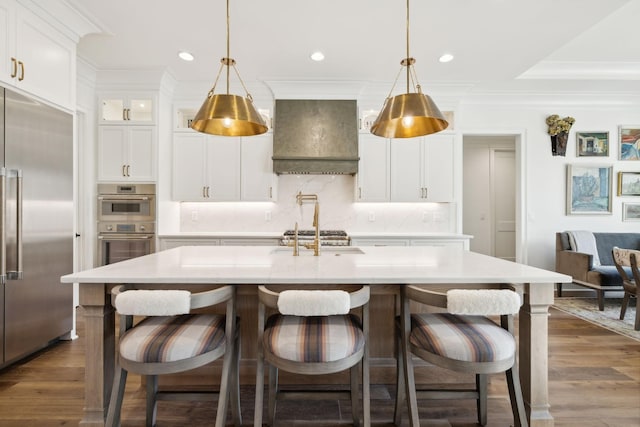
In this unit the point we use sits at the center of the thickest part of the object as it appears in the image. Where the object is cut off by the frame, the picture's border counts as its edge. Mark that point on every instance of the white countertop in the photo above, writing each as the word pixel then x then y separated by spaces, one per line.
pixel 275 264
pixel 278 234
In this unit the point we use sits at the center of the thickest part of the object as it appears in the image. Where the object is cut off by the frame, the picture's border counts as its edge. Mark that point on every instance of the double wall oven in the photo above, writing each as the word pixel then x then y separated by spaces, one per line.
pixel 126 221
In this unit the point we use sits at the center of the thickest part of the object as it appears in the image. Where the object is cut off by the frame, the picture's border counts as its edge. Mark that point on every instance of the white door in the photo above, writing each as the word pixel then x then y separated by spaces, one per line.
pixel 504 208
pixel 489 195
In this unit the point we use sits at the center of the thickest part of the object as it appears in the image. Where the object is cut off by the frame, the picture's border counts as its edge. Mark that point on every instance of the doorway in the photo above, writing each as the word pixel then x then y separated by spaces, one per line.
pixel 490 194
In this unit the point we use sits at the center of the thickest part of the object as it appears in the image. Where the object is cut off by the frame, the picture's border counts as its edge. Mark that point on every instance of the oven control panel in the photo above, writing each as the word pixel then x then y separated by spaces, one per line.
pixel 126 228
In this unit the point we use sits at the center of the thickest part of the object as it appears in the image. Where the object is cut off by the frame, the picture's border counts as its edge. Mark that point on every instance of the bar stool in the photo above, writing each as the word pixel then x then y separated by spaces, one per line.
pixel 462 339
pixel 171 339
pixel 312 332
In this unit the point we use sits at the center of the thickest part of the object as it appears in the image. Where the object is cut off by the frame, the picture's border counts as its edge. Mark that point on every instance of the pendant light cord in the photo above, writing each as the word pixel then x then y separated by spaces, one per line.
pixel 228 49
pixel 408 57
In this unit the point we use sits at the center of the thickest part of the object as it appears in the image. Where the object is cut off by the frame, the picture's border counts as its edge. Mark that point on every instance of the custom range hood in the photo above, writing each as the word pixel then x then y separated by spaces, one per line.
pixel 315 137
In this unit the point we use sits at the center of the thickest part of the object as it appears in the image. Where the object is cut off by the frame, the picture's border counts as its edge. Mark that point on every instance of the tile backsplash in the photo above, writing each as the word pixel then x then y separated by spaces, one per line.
pixel 337 211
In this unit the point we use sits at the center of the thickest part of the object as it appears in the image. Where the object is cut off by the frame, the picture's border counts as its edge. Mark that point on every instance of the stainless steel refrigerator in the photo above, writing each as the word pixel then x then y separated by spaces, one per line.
pixel 36 225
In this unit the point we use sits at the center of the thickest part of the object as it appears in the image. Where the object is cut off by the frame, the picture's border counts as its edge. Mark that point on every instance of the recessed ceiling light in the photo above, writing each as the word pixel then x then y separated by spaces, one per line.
pixel 317 56
pixel 447 57
pixel 185 56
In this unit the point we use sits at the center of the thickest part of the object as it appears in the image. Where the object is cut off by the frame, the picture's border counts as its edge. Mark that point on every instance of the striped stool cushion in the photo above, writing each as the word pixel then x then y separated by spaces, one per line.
pixel 464 338
pixel 161 339
pixel 313 338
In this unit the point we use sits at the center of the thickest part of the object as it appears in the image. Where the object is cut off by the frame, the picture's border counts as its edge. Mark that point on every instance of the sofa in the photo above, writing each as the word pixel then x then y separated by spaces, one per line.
pixel 587 258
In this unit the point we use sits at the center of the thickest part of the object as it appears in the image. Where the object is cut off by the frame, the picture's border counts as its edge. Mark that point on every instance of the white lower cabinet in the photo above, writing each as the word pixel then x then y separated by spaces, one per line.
pixel 249 241
pixel 379 242
pixel 170 243
pixel 174 242
pixel 461 241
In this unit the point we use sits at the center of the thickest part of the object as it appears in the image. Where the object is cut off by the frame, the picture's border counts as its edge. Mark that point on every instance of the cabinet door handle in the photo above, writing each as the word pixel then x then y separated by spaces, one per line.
pixel 128 114
pixel 359 192
pixel 426 193
pixel 128 170
pixel 124 168
pixel 124 114
pixel 14 68
pixel 21 64
pixel 204 192
pixel 271 192
pixel 208 195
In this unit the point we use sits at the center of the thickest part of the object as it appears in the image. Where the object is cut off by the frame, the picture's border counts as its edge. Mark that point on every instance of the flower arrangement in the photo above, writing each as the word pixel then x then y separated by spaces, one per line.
pixel 558 125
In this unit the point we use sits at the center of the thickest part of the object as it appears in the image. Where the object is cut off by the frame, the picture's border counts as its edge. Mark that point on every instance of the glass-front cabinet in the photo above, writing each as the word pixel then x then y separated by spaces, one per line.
pixel 127 109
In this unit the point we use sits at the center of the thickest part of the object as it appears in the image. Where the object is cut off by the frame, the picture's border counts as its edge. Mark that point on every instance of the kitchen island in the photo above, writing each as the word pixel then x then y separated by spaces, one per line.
pixel 384 268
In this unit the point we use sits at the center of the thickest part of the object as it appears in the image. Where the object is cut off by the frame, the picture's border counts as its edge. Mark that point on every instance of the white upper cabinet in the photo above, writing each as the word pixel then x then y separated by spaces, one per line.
pixel 422 169
pixel 216 168
pixel 126 153
pixel 373 169
pixel 127 109
pixel 257 181
pixel 205 168
pixel 35 57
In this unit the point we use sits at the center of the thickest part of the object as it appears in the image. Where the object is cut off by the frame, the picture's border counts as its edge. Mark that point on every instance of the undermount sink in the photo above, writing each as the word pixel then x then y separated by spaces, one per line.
pixel 331 250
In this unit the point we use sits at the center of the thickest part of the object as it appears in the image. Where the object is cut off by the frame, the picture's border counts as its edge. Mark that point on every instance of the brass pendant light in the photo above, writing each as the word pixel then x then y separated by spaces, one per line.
pixel 410 114
pixel 226 114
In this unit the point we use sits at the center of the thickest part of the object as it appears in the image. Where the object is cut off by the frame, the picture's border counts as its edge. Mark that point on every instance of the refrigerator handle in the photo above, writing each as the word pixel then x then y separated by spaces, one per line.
pixel 19 226
pixel 3 212
pixel 17 273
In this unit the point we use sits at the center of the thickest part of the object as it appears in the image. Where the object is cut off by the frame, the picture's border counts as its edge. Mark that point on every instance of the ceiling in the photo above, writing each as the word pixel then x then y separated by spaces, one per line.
pixel 499 45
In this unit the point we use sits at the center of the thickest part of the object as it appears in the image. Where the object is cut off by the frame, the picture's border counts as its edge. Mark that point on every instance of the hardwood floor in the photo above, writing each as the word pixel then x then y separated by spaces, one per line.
pixel 594 381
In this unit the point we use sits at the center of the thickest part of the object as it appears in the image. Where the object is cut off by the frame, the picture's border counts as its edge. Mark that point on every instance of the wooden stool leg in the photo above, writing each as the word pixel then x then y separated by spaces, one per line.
pixel 223 396
pixel 273 394
pixel 481 387
pixel 366 390
pixel 355 395
pixel 515 394
pixel 117 395
pixel 152 401
pixel 258 409
pixel 235 384
pixel 400 387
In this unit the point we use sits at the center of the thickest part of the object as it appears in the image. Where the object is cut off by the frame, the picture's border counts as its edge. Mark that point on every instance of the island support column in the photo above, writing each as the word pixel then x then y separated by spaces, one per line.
pixel 534 352
pixel 99 319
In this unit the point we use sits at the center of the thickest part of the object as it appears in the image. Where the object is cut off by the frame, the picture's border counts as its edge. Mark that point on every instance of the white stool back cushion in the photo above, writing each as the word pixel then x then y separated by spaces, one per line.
pixel 141 302
pixel 314 303
pixel 485 302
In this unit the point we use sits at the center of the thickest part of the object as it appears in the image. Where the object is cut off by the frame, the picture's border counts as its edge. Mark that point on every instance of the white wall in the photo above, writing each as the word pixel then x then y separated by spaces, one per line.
pixel 544 174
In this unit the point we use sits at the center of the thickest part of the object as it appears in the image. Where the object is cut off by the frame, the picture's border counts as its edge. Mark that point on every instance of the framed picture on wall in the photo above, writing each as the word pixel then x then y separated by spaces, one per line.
pixel 628 183
pixel 631 211
pixel 589 189
pixel 592 144
pixel 629 142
